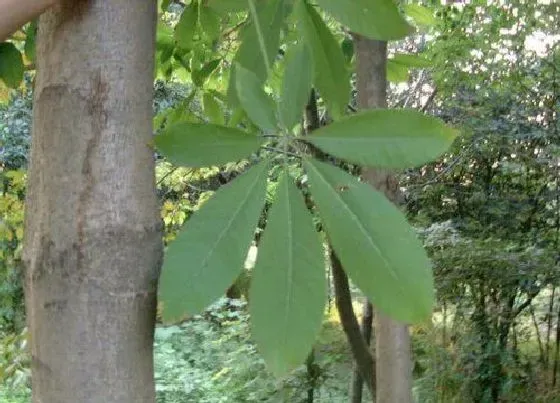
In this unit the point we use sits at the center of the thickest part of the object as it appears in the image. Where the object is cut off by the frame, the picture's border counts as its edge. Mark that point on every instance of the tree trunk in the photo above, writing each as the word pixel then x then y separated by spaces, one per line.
pixel 394 369
pixel 92 230
pixel 357 388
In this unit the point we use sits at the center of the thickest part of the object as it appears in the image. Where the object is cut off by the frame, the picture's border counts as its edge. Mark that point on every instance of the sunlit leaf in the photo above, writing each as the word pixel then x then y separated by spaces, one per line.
pixel 288 283
pixel 393 138
pixel 396 72
pixel 376 19
pixel 376 246
pixel 209 252
pixel 410 60
pixel 204 144
pixel 421 15
pixel 296 85
pixel 331 76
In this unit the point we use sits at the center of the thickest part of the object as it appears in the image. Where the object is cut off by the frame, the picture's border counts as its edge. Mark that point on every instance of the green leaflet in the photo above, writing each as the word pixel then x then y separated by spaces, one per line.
pixel 209 252
pixel 331 76
pixel 259 106
pixel 11 65
pixel 200 76
pixel 271 17
pixel 411 60
pixel 30 39
pixel 288 285
pixel 225 7
pixel 393 138
pixel 296 85
pixel 209 21
pixel 376 19
pixel 204 144
pixel 186 27
pixel 212 109
pixel 377 247
pixel 396 72
pixel 398 66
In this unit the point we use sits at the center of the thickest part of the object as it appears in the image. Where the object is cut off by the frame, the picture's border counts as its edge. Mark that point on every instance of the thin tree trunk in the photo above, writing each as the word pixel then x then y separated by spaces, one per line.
pixel 444 328
pixel 92 230
pixel 366 328
pixel 394 367
pixel 549 328
pixel 360 349
pixel 556 351
pixel 538 333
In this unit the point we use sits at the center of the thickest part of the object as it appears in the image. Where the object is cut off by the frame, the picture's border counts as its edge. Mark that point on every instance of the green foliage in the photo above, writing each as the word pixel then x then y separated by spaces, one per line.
pixel 199 145
pixel 11 235
pixel 212 359
pixel 377 19
pixel 15 363
pixel 374 243
pixel 257 104
pixel 268 89
pixel 296 85
pixel 421 15
pixel 186 27
pixel 331 74
pixel 213 247
pixel 289 274
pixel 11 65
pixel 254 39
pixel 385 138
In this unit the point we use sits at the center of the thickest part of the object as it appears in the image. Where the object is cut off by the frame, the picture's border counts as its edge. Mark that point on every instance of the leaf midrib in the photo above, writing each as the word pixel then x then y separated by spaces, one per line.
pixel 358 223
pixel 229 223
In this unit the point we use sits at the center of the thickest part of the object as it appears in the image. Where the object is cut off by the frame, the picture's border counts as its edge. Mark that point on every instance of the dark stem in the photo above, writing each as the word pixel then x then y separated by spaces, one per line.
pixel 358 345
pixel 366 327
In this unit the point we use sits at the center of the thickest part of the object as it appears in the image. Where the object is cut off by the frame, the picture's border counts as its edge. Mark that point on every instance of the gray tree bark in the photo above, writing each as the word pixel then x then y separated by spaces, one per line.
pixel 92 246
pixel 393 362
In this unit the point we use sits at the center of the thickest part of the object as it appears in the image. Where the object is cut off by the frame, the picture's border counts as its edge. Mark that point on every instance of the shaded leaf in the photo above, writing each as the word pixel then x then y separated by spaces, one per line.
pixel 392 138
pixel 376 19
pixel 410 60
pixel 331 76
pixel 210 23
pixel 271 16
pixel 30 38
pixel 225 7
pixel 11 65
pixel 204 144
pixel 296 85
pixel 347 46
pixel 164 5
pixel 200 76
pixel 288 283
pixel 259 106
pixel 186 27
pixel 377 247
pixel 209 252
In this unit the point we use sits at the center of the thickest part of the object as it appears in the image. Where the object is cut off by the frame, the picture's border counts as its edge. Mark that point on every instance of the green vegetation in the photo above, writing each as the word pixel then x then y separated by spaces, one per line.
pixel 261 144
